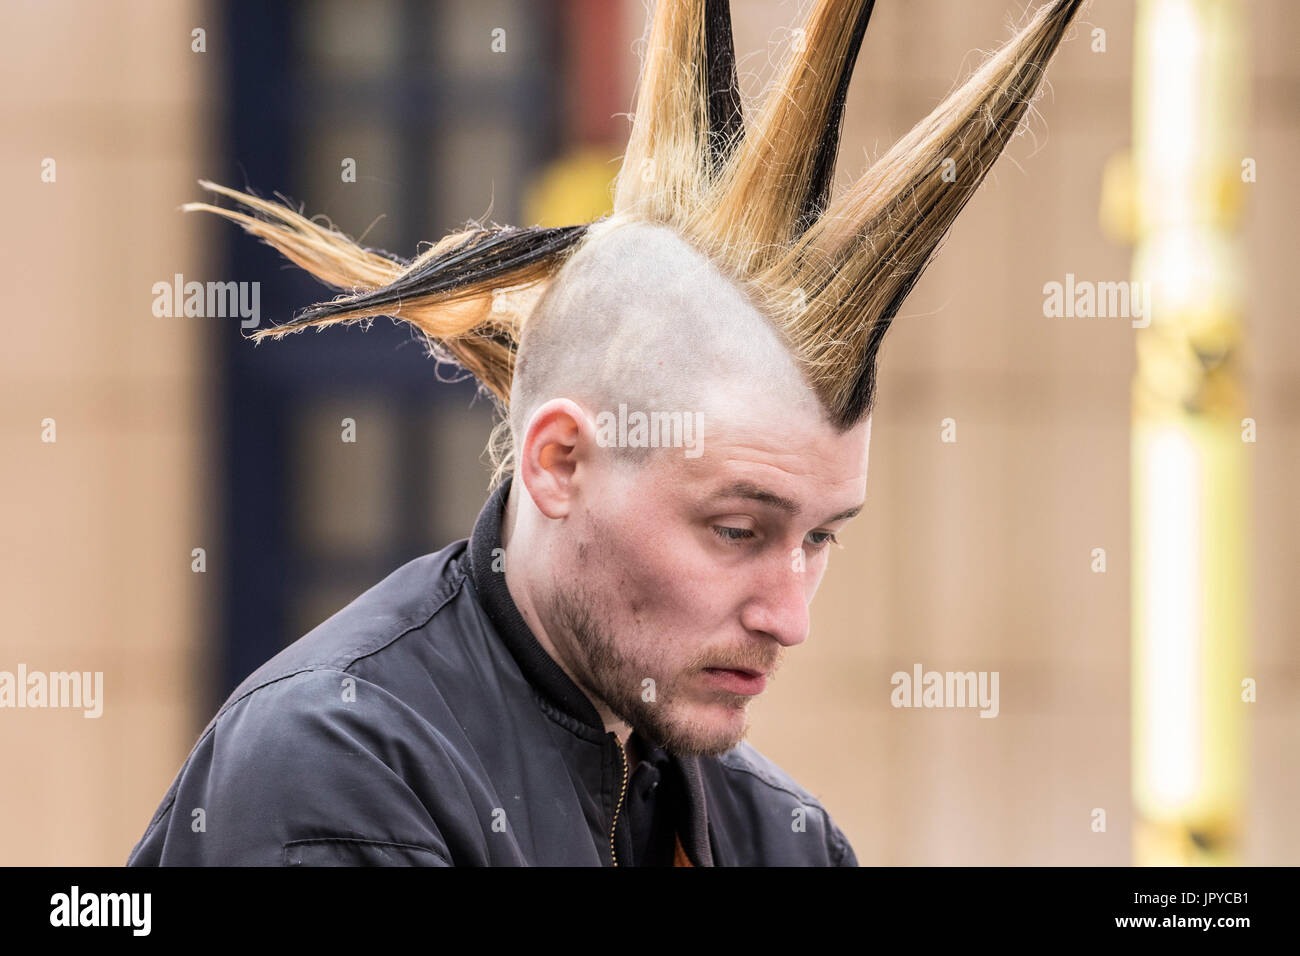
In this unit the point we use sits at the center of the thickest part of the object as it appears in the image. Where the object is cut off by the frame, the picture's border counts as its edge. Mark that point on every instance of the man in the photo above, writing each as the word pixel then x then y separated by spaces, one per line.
pixel 571 685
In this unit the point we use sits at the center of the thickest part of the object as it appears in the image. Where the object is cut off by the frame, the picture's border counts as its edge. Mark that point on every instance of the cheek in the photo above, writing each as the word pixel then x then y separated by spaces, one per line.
pixel 656 579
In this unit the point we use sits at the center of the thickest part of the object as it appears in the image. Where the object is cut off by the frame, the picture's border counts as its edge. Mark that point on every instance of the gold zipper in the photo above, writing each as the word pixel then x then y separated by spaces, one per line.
pixel 622 757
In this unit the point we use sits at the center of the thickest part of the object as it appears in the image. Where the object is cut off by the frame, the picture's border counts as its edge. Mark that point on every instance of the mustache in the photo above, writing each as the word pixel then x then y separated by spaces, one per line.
pixel 757 659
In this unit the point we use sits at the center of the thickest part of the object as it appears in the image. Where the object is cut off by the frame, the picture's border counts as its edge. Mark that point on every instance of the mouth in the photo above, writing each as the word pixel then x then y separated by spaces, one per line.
pixel 737 680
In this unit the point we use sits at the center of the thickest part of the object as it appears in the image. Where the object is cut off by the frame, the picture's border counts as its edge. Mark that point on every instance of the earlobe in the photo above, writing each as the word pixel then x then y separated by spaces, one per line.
pixel 555 444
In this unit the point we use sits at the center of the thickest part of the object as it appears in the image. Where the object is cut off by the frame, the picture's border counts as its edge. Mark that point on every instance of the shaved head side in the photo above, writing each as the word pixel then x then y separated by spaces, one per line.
pixel 639 317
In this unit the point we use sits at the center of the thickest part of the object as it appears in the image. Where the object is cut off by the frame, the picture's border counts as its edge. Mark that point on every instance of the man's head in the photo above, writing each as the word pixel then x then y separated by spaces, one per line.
pixel 660 576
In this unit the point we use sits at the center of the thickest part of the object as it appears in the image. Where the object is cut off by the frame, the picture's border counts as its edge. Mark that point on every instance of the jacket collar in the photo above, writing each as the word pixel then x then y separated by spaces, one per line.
pixel 487 571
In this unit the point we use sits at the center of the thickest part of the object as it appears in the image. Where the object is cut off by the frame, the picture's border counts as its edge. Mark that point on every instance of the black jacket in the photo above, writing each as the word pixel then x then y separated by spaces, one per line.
pixel 424 724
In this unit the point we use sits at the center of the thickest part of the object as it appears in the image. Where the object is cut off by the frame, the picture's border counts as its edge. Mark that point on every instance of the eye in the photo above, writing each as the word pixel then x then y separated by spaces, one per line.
pixel 819 539
pixel 732 534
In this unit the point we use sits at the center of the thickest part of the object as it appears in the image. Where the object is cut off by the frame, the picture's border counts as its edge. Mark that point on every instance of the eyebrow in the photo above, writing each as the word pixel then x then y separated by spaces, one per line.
pixel 753 492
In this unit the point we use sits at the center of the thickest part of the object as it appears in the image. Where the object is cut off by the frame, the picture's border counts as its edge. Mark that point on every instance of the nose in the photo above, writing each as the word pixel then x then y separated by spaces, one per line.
pixel 778 605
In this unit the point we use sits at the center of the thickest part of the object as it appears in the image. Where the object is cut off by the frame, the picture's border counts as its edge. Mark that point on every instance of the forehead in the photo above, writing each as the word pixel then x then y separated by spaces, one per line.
pixel 772 446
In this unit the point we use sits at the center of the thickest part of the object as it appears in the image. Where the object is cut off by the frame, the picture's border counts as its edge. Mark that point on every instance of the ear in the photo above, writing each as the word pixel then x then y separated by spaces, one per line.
pixel 558 439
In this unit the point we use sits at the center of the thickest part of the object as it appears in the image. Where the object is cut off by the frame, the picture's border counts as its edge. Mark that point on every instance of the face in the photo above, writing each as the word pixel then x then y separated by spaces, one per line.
pixel 678 582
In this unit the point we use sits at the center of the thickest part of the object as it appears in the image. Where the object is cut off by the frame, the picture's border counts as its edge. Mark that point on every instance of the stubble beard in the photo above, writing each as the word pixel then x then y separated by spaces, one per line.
pixel 617 679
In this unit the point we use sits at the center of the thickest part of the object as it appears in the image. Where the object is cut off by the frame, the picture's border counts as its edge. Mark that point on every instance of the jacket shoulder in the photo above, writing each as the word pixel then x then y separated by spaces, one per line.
pixel 304 763
pixel 402 602
pixel 331 706
pixel 746 758
pixel 790 824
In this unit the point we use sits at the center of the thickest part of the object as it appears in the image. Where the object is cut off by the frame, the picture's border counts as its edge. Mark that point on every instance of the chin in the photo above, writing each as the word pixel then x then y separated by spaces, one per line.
pixel 707 730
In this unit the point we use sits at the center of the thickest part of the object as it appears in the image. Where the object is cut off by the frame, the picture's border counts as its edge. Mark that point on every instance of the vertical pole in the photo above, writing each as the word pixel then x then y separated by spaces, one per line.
pixel 1190 483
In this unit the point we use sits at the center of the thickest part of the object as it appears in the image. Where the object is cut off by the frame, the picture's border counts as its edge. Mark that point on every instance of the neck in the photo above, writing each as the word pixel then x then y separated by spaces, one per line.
pixel 523 590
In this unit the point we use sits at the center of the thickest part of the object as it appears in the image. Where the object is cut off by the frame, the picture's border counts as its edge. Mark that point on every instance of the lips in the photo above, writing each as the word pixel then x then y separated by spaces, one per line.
pixel 737 680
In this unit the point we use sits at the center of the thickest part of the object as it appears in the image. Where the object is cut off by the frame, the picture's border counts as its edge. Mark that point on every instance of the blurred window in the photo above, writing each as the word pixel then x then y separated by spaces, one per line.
pixel 443 111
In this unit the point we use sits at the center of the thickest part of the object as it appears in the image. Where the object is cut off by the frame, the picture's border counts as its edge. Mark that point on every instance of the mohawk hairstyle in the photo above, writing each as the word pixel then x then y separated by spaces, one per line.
pixel 830 272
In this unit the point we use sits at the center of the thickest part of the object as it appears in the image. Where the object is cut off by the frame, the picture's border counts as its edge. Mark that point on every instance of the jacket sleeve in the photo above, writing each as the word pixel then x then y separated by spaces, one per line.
pixel 841 851
pixel 305 770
